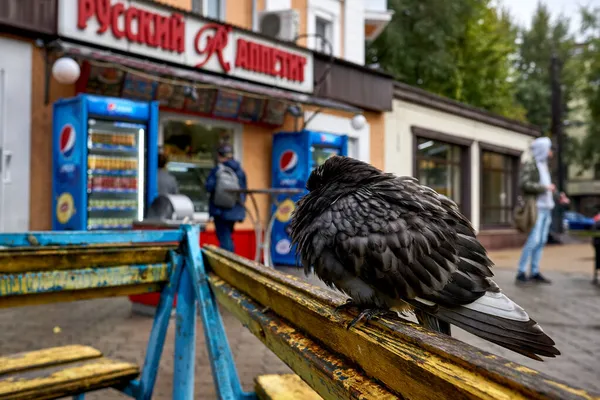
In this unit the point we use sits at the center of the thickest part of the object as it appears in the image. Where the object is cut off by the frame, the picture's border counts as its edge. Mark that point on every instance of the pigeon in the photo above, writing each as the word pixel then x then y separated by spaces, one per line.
pixel 395 246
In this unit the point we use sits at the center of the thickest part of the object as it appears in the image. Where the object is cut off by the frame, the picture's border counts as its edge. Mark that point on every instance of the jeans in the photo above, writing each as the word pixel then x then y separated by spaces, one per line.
pixel 536 241
pixel 224 230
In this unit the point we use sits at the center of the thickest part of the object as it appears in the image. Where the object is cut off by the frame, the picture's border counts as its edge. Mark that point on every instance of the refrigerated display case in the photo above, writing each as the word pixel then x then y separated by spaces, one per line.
pixel 191 177
pixel 105 162
pixel 295 155
pixel 115 185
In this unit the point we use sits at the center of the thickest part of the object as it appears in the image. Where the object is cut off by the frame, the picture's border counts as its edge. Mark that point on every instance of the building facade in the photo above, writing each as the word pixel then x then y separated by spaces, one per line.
pixel 146 50
pixel 469 155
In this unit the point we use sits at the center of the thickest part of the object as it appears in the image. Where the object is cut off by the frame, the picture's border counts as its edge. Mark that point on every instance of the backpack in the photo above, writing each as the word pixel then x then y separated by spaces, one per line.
pixel 227 179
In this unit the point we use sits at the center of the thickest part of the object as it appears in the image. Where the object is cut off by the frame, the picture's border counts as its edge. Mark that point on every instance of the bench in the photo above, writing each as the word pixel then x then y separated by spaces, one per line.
pixel 46 267
pixel 384 359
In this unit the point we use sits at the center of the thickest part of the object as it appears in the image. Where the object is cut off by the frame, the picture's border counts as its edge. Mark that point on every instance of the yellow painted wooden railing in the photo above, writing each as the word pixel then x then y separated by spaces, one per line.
pixel 383 359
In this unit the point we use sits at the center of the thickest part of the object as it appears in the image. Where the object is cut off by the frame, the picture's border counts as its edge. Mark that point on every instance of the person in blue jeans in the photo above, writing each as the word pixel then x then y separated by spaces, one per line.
pixel 225 218
pixel 535 181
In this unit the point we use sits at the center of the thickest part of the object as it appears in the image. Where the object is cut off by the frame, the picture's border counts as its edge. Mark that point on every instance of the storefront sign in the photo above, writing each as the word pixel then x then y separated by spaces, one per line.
pixel 154 31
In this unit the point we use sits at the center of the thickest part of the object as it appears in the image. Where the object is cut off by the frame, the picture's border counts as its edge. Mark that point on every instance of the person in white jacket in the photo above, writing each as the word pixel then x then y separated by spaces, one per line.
pixel 535 180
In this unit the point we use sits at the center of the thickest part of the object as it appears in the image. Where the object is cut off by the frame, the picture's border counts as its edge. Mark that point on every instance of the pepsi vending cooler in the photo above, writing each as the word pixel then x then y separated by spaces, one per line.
pixel 104 162
pixel 295 155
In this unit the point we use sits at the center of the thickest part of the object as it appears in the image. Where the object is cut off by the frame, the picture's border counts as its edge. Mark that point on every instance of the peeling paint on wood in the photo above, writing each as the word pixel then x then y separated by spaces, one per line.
pixel 44 259
pixel 328 374
pixel 284 387
pixel 89 278
pixel 77 295
pixel 66 379
pixel 408 359
pixel 45 357
pixel 89 238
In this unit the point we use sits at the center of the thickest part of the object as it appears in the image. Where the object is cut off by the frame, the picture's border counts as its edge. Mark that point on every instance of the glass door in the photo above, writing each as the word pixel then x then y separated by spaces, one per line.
pixel 115 174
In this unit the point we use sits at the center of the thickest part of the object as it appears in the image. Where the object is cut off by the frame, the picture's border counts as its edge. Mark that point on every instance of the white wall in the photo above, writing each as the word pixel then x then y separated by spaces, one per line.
pixel 15 134
pixel 354 32
pixel 273 5
pixel 399 140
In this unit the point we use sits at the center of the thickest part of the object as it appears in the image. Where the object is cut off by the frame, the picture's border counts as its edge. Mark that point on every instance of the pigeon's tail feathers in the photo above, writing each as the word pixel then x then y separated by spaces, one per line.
pixel 496 318
pixel 433 323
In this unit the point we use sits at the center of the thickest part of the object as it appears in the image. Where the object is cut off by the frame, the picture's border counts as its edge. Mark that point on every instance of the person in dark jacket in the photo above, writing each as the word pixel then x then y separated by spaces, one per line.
pixel 225 218
pixel 167 183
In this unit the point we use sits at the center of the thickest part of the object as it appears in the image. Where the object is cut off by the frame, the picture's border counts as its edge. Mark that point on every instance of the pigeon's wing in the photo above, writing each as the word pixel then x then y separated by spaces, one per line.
pixel 398 237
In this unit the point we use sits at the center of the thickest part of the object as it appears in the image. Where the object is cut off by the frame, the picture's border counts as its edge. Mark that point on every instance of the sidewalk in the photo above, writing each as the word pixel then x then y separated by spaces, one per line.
pixel 572 258
pixel 568 310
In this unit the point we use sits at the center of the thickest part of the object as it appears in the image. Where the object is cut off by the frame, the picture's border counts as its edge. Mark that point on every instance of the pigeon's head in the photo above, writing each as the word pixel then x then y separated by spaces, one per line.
pixel 341 171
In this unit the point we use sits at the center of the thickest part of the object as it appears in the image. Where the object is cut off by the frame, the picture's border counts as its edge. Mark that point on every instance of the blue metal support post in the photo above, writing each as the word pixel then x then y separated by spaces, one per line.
pixel 185 339
pixel 225 375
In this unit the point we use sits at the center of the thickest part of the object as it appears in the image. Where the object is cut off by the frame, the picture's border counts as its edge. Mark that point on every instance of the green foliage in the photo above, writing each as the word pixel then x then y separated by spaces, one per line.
pixel 460 49
pixel 588 149
pixel 545 38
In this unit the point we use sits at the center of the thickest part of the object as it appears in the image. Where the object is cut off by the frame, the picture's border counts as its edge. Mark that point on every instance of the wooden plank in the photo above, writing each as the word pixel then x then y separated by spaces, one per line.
pixel 88 278
pixel 66 380
pixel 327 373
pixel 410 360
pixel 60 258
pixel 45 357
pixel 77 295
pixel 88 238
pixel 284 387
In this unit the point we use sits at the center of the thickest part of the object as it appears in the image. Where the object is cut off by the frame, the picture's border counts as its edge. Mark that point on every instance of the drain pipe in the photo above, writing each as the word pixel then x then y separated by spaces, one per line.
pixel 254 16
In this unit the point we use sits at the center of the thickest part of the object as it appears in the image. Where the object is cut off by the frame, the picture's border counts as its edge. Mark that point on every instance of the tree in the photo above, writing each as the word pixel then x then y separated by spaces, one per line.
pixel 537 45
pixel 460 49
pixel 587 150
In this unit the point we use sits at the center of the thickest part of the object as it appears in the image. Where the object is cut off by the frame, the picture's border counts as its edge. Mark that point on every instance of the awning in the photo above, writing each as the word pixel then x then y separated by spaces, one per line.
pixel 76 50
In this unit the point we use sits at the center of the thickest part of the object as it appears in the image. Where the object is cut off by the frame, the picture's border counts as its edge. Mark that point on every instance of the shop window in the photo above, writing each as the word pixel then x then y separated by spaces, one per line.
pixel 498 188
pixel 324 34
pixel 439 166
pixel 208 8
pixel 191 147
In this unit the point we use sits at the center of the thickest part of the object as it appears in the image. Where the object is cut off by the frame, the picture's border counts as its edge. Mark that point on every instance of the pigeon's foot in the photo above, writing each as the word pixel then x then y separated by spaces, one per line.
pixel 348 304
pixel 369 314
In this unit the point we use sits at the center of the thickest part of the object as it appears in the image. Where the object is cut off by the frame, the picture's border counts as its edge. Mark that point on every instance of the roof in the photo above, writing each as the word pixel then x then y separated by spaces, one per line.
pixel 411 94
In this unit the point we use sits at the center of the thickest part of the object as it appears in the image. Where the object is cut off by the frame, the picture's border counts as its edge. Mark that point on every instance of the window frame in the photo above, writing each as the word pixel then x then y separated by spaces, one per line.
pixel 320 46
pixel 203 5
pixel 515 156
pixel 326 11
pixel 464 145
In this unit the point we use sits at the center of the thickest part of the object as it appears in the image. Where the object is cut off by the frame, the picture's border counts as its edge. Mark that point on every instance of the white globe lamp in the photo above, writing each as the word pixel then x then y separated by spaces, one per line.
pixel 358 122
pixel 66 70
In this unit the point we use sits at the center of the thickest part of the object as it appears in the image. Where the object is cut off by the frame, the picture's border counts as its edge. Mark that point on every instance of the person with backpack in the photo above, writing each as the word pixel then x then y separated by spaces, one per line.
pixel 225 206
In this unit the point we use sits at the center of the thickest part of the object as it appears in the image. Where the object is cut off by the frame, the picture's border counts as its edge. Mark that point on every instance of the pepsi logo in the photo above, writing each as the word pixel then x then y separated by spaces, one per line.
pixel 111 107
pixel 67 140
pixel 288 161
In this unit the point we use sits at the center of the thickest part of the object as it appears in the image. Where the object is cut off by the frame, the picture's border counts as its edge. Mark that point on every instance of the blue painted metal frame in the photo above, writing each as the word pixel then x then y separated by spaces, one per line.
pixel 189 281
pixel 225 374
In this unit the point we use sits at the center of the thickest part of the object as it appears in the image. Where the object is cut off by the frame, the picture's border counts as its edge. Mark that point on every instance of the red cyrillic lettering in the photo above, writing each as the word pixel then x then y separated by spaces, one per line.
pixel 103 12
pixel 145 35
pixel 161 31
pixel 85 10
pixel 241 56
pixel 266 56
pixel 301 68
pixel 177 33
pixel 254 63
pixel 131 14
pixel 117 10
